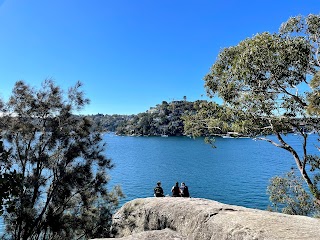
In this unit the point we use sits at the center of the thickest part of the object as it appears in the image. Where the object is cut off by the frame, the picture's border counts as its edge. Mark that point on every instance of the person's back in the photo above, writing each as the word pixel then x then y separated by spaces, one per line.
pixel 158 191
pixel 184 190
pixel 175 190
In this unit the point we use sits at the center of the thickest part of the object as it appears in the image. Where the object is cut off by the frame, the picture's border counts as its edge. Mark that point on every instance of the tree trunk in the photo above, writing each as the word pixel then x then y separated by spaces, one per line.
pixel 301 167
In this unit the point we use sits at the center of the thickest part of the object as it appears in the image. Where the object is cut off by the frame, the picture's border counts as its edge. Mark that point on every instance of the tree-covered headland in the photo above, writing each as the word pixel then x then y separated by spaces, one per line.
pixel 166 118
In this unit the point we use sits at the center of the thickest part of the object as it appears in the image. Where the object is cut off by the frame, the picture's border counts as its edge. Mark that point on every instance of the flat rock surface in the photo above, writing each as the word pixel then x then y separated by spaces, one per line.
pixel 166 234
pixel 194 218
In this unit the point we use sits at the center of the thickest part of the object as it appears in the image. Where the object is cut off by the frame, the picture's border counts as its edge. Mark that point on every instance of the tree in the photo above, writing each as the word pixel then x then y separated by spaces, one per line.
pixel 288 195
pixel 270 83
pixel 184 98
pixel 61 166
pixel 209 119
pixel 9 180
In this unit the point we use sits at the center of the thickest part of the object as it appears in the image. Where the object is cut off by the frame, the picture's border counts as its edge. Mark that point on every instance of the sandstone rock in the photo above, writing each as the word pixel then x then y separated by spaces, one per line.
pixel 166 234
pixel 193 218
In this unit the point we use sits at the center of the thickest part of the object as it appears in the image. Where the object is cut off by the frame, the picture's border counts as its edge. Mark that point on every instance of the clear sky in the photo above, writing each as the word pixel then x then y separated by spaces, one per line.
pixel 129 54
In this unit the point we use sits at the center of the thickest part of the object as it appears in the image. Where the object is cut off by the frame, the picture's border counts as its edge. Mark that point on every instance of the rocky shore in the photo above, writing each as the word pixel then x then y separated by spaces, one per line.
pixel 194 218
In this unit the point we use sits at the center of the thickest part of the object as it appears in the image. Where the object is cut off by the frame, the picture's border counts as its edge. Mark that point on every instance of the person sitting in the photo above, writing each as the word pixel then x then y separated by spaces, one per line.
pixel 184 190
pixel 158 191
pixel 175 190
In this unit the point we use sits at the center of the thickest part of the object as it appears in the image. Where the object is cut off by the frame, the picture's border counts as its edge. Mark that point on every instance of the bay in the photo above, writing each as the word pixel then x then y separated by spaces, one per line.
pixel 236 172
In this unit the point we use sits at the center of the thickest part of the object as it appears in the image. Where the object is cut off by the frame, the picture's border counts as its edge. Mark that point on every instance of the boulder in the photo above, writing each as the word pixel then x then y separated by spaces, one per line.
pixel 195 218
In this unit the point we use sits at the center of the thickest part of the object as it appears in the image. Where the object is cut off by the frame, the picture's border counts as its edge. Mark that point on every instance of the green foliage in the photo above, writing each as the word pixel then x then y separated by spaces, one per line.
pixel 289 196
pixel 211 119
pixel 10 182
pixel 57 182
pixel 109 123
pixel 260 75
pixel 269 84
pixel 164 119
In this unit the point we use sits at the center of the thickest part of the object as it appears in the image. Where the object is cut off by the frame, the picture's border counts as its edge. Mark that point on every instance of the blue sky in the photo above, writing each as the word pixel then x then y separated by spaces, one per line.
pixel 129 54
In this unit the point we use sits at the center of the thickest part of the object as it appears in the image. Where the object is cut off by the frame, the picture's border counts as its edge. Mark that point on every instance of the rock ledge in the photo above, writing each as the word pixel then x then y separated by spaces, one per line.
pixel 194 218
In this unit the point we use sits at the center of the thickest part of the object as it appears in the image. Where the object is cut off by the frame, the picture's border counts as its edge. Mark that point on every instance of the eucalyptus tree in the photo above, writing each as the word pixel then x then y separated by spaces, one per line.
pixel 60 164
pixel 270 83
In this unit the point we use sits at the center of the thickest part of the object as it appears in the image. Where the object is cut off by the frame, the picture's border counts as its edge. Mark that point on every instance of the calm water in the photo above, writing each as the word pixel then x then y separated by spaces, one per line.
pixel 236 172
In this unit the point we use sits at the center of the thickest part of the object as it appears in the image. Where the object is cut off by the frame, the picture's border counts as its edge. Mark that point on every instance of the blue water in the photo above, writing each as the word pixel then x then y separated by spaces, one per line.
pixel 236 172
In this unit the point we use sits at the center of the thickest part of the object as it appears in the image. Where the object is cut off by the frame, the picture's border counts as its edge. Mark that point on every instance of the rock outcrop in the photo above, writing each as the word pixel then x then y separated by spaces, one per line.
pixel 194 218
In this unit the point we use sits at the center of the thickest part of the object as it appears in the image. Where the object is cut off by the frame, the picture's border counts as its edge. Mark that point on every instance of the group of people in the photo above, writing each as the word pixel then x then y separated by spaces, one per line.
pixel 176 191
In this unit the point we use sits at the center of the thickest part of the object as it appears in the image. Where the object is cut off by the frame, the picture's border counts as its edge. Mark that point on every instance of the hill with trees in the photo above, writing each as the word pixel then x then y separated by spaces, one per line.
pixel 163 119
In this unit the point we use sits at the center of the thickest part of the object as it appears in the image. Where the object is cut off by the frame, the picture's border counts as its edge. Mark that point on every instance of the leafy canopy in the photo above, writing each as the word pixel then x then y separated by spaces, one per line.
pixel 54 166
pixel 270 84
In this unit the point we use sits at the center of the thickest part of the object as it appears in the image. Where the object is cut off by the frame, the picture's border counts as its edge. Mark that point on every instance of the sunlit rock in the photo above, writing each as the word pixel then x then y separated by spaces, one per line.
pixel 194 218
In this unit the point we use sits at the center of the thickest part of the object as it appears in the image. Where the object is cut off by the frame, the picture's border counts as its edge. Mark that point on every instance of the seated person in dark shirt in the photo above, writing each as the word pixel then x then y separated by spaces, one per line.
pixel 158 191
pixel 175 190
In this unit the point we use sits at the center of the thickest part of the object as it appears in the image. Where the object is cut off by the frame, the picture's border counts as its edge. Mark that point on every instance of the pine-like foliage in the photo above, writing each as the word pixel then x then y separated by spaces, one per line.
pixel 60 166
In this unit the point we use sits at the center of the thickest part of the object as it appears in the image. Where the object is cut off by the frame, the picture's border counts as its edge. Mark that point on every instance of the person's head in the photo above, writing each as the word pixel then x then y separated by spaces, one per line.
pixel 159 183
pixel 183 184
pixel 177 184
